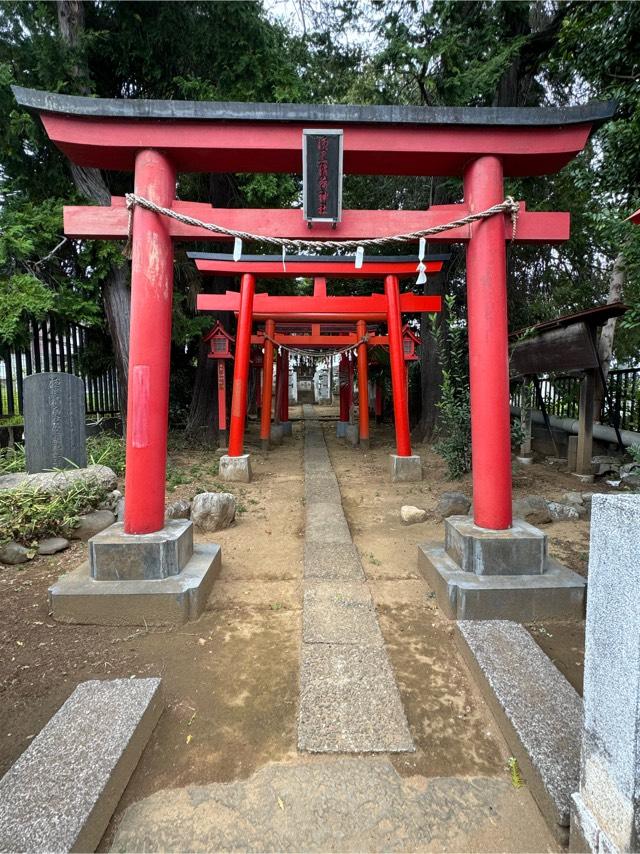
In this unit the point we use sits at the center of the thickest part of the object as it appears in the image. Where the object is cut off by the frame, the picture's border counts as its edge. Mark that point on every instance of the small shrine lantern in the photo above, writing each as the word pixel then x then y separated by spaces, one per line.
pixel 220 349
pixel 409 343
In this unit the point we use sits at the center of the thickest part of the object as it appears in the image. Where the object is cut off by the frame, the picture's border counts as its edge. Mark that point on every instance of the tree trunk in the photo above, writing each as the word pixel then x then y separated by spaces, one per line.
pixel 605 345
pixel 90 182
pixel 430 368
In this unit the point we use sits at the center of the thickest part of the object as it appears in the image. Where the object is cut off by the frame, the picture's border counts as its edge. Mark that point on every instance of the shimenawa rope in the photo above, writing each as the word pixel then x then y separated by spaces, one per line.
pixel 133 200
pixel 318 353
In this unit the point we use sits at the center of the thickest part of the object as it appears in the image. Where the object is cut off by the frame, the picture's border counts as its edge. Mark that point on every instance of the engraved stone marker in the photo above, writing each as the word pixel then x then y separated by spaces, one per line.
pixel 54 422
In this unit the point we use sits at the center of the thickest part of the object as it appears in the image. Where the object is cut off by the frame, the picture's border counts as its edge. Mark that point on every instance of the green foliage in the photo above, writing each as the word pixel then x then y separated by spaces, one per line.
pixel 107 449
pixel 28 515
pixel 634 452
pixel 454 426
pixel 12 460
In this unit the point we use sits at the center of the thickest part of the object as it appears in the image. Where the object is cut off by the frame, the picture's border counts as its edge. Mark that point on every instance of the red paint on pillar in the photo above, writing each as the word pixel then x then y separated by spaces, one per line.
pixel 363 381
pixel 222 396
pixel 396 358
pixel 285 386
pixel 149 348
pixel 488 349
pixel 343 381
pixel 267 382
pixel 241 366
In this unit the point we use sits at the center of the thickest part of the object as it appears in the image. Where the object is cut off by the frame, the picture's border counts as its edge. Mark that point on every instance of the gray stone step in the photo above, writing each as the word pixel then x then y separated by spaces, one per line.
pixel 332 561
pixel 339 612
pixel 538 711
pixel 61 793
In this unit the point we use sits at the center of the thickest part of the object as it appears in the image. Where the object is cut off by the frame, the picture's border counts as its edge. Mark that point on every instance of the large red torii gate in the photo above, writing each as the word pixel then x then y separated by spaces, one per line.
pixel 386 307
pixel 157 139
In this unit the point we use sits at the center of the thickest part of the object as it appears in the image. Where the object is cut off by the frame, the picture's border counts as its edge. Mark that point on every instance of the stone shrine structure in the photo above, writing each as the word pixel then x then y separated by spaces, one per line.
pixel 54 422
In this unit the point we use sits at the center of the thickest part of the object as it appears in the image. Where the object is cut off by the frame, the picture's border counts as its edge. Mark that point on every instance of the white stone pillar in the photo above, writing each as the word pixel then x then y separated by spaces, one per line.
pixel 606 810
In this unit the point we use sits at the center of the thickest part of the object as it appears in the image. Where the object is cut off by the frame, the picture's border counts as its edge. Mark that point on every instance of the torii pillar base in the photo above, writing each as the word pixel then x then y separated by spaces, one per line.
pixel 482 574
pixel 235 469
pixel 405 469
pixel 153 579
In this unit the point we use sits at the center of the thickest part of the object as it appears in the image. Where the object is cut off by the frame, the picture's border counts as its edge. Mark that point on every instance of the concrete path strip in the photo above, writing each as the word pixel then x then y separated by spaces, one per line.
pixel 349 700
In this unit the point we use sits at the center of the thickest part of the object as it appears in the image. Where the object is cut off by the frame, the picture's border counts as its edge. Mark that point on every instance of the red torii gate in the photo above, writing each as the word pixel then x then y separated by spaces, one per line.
pixel 157 139
pixel 387 307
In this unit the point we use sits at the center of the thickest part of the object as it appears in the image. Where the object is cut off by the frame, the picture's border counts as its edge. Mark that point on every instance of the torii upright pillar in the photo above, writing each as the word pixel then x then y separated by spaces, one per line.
pixel 236 466
pixel 363 385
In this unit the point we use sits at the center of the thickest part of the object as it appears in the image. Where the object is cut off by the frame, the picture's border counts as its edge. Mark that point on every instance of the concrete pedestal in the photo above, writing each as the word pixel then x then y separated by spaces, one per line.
pixel 235 469
pixel 364 444
pixel 276 433
pixel 352 434
pixel 525 461
pixel 405 469
pixel 605 816
pixel 341 429
pixel 138 579
pixel 499 575
pixel 287 428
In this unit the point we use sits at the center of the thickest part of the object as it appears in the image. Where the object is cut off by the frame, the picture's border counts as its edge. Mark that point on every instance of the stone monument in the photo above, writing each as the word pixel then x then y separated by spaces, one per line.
pixel 606 810
pixel 54 422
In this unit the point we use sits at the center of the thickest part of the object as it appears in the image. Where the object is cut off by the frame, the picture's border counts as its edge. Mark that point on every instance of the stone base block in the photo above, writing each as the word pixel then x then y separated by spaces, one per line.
pixel 341 429
pixel 235 469
pixel 525 461
pixel 518 550
pixel 584 478
pixel 276 433
pixel 264 444
pixel 364 444
pixel 352 434
pixel 78 598
pixel 557 593
pixel 116 556
pixel 287 428
pixel 61 793
pixel 405 469
pixel 538 711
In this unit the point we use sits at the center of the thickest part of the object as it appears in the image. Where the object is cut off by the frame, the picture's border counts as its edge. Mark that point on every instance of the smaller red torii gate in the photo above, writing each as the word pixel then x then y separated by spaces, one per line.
pixel 249 306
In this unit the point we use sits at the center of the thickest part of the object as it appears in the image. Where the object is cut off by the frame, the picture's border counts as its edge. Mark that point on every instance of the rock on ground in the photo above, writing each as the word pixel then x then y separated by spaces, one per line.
pixel 111 501
pixel 213 511
pixel 13 554
pixel 411 515
pixel 532 509
pixel 180 509
pixel 91 524
pixel 453 504
pixel 59 481
pixel 563 512
pixel 52 545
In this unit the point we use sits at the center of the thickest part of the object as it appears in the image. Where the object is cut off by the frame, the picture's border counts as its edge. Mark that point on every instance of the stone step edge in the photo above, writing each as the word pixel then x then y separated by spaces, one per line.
pixel 538 786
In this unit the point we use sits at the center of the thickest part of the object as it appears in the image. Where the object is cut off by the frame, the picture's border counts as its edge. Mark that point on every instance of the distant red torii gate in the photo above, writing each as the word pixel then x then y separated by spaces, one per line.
pixel 157 139
pixel 249 306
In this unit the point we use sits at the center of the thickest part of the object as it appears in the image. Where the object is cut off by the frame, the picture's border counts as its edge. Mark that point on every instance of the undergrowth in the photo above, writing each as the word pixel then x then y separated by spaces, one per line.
pixel 29 514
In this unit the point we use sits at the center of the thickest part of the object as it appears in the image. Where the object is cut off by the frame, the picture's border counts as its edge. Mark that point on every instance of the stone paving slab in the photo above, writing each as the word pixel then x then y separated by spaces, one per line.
pixel 323 492
pixel 339 612
pixel 326 523
pixel 537 709
pixel 342 804
pixel 332 561
pixel 349 702
pixel 61 793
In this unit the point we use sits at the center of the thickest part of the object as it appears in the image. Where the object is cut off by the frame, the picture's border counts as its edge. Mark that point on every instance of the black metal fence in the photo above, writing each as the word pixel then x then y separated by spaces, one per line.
pixel 561 397
pixel 55 346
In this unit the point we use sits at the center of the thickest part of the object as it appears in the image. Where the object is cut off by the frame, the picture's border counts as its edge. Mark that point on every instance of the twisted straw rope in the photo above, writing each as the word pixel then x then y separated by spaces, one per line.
pixel 133 200
pixel 319 352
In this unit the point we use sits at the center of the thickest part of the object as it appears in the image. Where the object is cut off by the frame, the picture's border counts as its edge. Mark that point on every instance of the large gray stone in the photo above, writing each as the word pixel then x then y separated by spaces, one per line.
pixel 117 556
pixel 13 554
pixel 52 545
pixel 349 702
pixel 452 504
pixel 213 511
pixel 606 815
pixel 180 509
pixel 54 422
pixel 61 793
pixel 532 509
pixel 563 512
pixel 60 481
pixel 518 550
pixel 91 524
pixel 538 711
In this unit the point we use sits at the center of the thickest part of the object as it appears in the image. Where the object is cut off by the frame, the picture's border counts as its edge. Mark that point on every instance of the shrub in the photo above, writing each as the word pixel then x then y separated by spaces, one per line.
pixel 28 514
pixel 454 424
pixel 107 449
